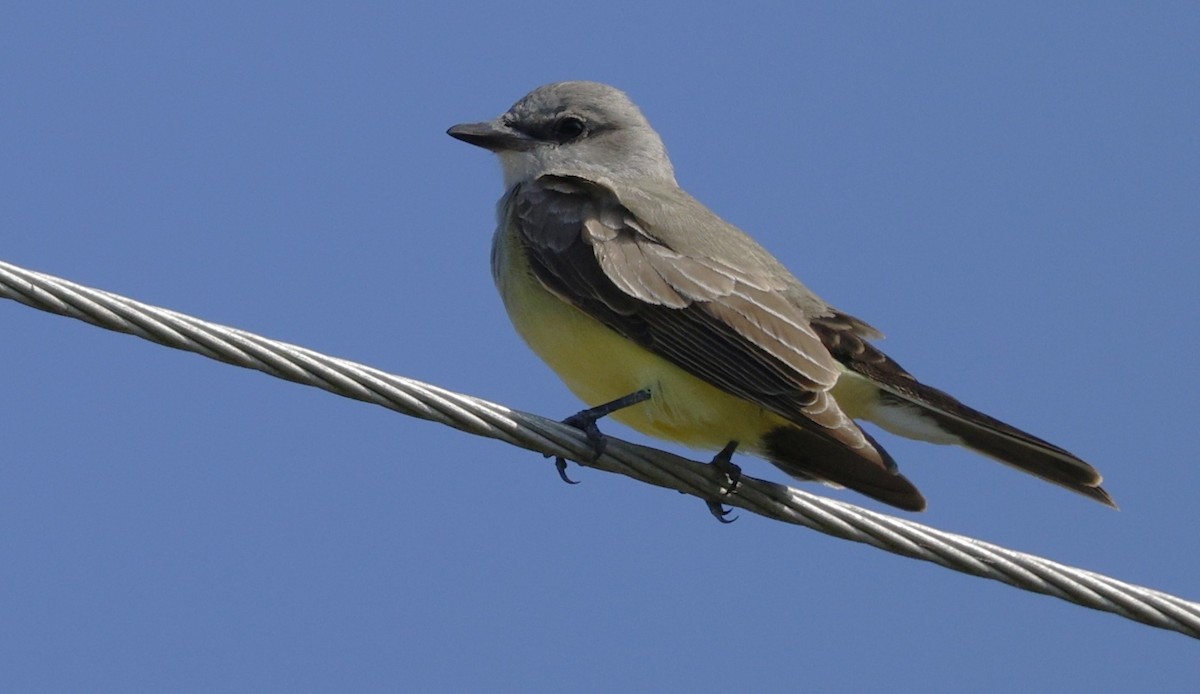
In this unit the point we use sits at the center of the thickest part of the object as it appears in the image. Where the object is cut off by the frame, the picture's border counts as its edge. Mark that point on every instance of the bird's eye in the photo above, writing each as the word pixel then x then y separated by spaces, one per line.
pixel 569 128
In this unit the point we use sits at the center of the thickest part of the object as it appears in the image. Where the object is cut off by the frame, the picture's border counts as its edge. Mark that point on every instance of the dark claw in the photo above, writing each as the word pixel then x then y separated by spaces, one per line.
pixel 561 465
pixel 720 512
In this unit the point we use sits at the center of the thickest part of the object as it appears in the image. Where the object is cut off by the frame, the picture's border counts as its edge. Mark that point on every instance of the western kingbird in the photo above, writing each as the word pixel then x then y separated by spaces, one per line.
pixel 622 283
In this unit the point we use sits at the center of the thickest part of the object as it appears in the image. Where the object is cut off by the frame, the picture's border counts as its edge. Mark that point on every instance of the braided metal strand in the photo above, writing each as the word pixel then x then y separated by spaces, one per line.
pixel 649 465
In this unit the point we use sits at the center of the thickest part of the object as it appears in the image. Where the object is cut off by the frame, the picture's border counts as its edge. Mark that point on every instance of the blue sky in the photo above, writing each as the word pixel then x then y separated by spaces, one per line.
pixel 1009 191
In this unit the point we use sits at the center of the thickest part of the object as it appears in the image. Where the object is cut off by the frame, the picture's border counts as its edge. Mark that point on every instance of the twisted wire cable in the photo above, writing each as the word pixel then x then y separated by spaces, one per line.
pixel 660 468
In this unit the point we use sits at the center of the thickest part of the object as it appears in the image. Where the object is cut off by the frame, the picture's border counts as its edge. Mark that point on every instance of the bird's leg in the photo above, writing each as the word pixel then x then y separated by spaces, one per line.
pixel 722 462
pixel 585 421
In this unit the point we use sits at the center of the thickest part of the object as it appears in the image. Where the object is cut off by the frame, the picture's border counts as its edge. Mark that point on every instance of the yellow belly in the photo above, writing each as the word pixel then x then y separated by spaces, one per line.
pixel 599 365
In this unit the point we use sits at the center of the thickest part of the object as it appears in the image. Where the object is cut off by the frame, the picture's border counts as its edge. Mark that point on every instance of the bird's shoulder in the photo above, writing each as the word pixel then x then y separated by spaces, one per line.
pixel 658 218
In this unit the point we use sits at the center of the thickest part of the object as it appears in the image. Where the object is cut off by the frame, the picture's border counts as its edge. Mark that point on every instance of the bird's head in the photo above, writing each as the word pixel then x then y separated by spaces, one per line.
pixel 572 127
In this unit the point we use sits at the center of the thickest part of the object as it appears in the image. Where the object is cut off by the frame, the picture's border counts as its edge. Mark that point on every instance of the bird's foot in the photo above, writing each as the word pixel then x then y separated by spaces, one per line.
pixel 585 421
pixel 723 463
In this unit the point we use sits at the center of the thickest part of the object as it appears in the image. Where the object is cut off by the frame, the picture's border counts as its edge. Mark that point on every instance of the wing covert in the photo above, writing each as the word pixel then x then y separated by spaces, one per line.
pixel 729 327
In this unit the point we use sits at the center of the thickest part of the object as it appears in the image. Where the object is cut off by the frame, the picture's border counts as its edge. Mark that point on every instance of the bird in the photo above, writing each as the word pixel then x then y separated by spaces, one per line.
pixel 653 309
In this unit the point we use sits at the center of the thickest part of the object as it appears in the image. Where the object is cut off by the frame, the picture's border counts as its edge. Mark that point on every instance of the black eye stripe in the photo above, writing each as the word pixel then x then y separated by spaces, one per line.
pixel 561 130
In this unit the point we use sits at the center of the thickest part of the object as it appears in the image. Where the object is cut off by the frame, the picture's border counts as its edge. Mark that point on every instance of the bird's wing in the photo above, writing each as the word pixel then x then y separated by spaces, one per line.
pixel 731 327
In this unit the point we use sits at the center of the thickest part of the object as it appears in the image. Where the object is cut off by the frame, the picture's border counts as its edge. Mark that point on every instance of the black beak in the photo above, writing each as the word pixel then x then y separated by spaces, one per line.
pixel 492 135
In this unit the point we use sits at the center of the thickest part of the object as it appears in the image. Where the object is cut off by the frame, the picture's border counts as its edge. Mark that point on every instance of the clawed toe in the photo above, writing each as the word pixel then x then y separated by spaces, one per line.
pixel 722 462
pixel 585 421
pixel 560 464
pixel 720 512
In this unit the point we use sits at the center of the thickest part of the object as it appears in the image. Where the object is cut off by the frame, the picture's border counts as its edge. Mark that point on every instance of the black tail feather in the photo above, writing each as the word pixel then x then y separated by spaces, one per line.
pixel 808 455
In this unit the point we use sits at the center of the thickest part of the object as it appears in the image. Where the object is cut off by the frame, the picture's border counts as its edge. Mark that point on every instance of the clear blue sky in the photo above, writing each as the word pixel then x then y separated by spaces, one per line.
pixel 1010 191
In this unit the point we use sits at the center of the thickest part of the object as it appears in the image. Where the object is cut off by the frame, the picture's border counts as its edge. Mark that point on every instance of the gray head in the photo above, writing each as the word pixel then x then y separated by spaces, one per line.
pixel 582 127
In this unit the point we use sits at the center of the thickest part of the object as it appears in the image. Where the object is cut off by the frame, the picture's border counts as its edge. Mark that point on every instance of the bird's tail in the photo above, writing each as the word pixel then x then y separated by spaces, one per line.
pixel 916 410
